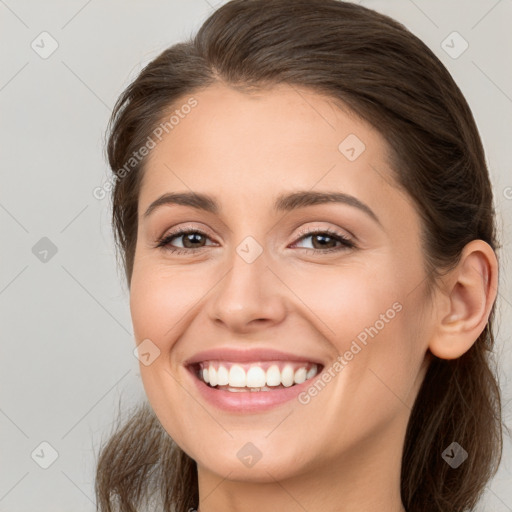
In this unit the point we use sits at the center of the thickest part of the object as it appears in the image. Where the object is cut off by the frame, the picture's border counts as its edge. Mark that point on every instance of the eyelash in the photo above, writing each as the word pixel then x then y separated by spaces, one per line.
pixel 165 241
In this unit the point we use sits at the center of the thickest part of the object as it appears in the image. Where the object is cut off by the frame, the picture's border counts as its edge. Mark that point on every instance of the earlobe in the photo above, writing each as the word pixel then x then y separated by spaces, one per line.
pixel 468 295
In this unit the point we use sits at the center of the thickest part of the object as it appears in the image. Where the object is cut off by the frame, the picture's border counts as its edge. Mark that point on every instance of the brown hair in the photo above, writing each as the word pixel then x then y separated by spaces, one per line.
pixel 390 78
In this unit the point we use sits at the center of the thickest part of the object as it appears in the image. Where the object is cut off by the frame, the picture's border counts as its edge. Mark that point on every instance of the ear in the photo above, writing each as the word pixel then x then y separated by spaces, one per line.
pixel 469 291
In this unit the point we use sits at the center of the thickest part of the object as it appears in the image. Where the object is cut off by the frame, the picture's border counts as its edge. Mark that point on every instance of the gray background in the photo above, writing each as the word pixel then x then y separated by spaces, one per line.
pixel 66 334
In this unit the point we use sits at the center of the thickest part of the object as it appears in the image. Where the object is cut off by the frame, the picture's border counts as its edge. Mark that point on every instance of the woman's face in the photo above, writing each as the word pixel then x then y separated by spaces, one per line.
pixel 278 280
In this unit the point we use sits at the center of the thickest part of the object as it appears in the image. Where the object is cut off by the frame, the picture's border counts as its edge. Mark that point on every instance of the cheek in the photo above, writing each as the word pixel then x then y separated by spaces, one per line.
pixel 159 298
pixel 346 301
pixel 371 321
pixel 158 301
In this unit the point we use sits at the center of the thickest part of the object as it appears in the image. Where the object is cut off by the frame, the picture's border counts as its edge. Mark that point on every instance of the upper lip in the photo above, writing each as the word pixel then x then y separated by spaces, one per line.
pixel 247 356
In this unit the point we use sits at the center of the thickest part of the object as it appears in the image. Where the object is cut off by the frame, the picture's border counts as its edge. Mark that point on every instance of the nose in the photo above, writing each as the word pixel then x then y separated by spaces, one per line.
pixel 249 296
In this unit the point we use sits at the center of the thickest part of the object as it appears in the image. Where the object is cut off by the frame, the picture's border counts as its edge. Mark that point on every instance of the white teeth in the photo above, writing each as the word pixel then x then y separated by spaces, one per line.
pixel 237 377
pixel 222 376
pixel 312 372
pixel 212 373
pixel 273 376
pixel 287 376
pixel 256 378
pixel 300 376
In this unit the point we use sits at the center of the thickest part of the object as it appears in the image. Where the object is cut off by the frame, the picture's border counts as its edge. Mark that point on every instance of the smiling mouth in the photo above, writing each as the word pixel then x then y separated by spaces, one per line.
pixel 254 377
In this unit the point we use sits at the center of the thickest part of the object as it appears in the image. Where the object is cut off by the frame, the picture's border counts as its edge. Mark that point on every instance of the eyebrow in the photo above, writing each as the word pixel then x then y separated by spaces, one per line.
pixel 283 203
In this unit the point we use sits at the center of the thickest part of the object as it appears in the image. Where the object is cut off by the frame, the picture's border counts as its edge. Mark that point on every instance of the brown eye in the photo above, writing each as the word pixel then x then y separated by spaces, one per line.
pixel 326 240
pixel 194 240
pixel 190 240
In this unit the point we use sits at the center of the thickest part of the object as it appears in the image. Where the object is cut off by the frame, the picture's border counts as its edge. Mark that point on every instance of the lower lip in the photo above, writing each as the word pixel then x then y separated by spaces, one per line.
pixel 248 401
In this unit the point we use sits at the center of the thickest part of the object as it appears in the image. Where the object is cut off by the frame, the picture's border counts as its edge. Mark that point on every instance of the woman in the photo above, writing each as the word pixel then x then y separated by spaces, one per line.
pixel 305 219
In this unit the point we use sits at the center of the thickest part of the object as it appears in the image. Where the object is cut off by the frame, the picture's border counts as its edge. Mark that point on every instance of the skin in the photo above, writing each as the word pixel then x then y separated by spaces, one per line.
pixel 342 450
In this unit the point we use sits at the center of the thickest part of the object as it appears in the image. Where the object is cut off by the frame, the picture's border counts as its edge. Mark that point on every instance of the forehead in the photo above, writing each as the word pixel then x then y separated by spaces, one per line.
pixel 279 118
pixel 277 136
